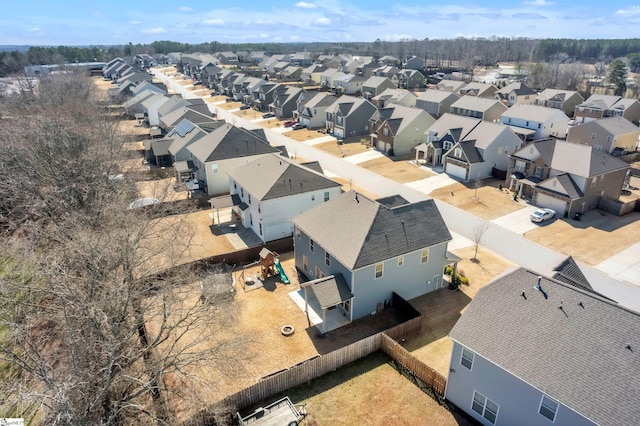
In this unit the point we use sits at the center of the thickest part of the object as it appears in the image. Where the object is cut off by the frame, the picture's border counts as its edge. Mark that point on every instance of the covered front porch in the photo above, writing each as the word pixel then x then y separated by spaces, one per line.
pixel 523 186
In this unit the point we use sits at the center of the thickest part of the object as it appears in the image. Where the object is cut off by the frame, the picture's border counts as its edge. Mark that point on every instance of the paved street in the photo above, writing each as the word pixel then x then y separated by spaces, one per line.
pixel 497 238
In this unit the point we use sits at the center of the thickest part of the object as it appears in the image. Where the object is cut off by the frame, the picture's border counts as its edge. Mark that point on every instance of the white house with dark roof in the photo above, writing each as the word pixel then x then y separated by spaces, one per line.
pixel 536 122
pixel 272 189
pixel 532 350
pixel 375 247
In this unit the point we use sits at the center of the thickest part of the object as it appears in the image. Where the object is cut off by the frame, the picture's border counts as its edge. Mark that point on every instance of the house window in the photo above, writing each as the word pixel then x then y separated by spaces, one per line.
pixel 593 136
pixel 379 270
pixel 318 273
pixel 326 196
pixel 259 209
pixel 385 132
pixel 250 219
pixel 538 172
pixel 400 260
pixel 424 256
pixel 241 192
pixel 485 407
pixel 214 168
pixel 548 408
pixel 327 259
pixel 526 124
pixel 249 199
pixel 305 264
pixel 235 186
pixel 260 228
pixel 598 147
pixel 520 166
pixel 457 153
pixel 509 120
pixel 539 125
pixel 312 245
pixel 609 139
pixel 466 358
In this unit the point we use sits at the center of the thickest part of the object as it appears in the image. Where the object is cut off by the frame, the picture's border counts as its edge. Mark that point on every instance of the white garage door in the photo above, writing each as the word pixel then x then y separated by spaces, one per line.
pixel 456 171
pixel 544 200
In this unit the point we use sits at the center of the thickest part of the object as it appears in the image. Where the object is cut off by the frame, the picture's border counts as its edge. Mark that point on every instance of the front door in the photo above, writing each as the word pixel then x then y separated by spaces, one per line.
pixel 437 281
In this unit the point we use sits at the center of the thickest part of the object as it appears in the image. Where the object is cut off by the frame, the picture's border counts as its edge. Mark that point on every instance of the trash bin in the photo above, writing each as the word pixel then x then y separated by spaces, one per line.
pixel 576 216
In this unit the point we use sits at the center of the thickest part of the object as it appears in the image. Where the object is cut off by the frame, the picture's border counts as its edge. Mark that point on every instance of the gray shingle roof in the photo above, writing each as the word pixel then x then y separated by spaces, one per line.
pixel 274 176
pixel 584 160
pixel 230 141
pixel 358 231
pixel 471 152
pixel 330 290
pixel 569 272
pixel 576 355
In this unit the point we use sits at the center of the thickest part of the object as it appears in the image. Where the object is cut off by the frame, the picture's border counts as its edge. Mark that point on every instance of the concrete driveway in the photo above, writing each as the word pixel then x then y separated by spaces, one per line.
pixel 624 265
pixel 427 185
pixel 371 154
pixel 519 221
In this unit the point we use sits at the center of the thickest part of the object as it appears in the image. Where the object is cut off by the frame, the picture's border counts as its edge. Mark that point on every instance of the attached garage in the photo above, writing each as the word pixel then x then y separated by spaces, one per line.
pixel 547 201
pixel 455 171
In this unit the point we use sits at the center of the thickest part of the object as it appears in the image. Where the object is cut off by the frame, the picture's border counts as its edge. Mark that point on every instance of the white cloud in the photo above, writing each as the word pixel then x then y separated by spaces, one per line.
pixel 158 30
pixel 539 3
pixel 134 22
pixel 305 5
pixel 213 22
pixel 632 11
pixel 185 9
pixel 322 21
pixel 34 29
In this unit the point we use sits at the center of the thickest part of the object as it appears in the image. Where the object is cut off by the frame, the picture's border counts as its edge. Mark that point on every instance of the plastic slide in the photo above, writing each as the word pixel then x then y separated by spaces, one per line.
pixel 283 276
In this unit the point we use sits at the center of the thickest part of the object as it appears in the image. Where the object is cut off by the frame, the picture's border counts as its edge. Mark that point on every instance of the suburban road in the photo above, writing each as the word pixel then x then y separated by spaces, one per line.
pixel 506 243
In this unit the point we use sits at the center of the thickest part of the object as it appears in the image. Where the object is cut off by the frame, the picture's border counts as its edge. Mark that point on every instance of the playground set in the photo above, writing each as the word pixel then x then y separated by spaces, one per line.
pixel 269 265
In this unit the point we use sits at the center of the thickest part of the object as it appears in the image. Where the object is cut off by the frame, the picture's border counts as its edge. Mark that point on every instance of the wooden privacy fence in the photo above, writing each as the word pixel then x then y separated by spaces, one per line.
pixel 319 365
pixel 422 371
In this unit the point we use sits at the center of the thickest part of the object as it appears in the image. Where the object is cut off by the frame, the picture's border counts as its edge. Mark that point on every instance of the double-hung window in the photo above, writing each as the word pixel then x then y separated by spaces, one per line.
pixel 485 407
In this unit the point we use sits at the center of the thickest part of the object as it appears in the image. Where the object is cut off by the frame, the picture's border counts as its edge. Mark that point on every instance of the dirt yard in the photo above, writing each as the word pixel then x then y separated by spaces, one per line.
pixel 162 189
pixel 347 186
pixel 302 135
pixel 344 150
pixel 593 239
pixel 488 202
pixel 396 168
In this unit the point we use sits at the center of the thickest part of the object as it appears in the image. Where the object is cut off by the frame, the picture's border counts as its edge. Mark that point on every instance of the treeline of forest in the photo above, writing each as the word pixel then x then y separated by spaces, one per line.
pixel 463 52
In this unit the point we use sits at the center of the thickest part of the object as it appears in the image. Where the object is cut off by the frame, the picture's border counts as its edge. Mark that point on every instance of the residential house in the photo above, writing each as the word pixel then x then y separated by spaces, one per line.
pixel 373 248
pixel 144 60
pixel 601 106
pixel 272 189
pixel 256 57
pixel 452 86
pixel 302 59
pixel 397 129
pixel 410 79
pixel 284 101
pixel 615 135
pixel 109 69
pixel 134 105
pixel 484 149
pixel 394 96
pixel 265 96
pixel 480 90
pixel 173 103
pixel 145 85
pixel 566 177
pixel 156 152
pixel 151 105
pixel 135 76
pixel 374 85
pixel 348 84
pixel 312 73
pixel 536 122
pixel 436 102
pixel 224 149
pixel 565 100
pixel 532 350
pixel 388 60
pixel 516 93
pixel 291 73
pixel 328 76
pixel 183 135
pixel 482 108
pixel 313 113
pixel 414 63
pixel 227 58
pixel 442 136
pixel 193 113
pixel 174 57
pixel 349 117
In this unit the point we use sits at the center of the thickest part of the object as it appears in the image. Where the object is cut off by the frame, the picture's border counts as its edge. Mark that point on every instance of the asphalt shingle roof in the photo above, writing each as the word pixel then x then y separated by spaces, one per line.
pixel 330 290
pixel 578 355
pixel 229 141
pixel 358 231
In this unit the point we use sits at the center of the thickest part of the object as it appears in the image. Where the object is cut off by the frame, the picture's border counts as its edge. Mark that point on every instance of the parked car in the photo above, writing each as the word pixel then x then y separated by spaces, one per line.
pixel 298 126
pixel 197 83
pixel 542 215
pixel 268 115
pixel 289 123
pixel 215 94
pixel 229 100
pixel 243 107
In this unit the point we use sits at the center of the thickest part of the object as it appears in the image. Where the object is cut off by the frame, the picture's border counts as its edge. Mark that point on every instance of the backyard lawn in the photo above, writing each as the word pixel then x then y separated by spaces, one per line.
pixel 396 168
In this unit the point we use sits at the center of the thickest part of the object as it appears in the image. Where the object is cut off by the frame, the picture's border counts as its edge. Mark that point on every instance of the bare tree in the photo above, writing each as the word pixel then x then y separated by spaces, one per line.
pixel 100 323
pixel 478 233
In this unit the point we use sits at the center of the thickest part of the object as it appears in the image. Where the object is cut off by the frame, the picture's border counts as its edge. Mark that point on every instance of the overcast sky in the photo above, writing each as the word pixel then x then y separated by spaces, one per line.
pixel 75 22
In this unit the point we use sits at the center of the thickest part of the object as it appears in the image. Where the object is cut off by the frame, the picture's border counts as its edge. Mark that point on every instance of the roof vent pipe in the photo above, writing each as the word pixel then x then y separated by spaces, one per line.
pixel 538 286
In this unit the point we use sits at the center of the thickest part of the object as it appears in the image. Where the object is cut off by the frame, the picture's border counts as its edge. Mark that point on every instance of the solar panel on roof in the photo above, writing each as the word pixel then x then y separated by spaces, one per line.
pixel 183 128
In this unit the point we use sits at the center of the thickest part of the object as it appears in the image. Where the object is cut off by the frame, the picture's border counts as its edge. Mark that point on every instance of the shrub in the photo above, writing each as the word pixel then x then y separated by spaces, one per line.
pixel 448 270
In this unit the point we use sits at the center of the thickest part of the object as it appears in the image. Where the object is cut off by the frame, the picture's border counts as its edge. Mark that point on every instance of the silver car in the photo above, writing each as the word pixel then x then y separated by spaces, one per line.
pixel 542 215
